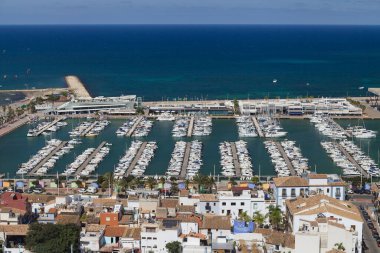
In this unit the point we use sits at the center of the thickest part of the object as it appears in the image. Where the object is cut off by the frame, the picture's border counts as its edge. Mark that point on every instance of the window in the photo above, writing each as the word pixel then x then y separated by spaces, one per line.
pixel 293 192
pixel 222 211
pixel 149 238
pixel 228 212
pixel 328 190
pixel 284 193
pixel 242 203
pixel 214 204
pixel 223 203
pixel 233 203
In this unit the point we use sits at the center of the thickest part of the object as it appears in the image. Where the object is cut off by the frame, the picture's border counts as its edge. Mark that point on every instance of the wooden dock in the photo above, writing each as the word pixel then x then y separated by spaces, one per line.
pixel 340 127
pixel 47 126
pixel 191 126
pixel 185 160
pixel 130 132
pixel 257 126
pixel 235 159
pixel 352 160
pixel 89 128
pixel 39 165
pixel 286 158
pixel 89 158
pixel 137 157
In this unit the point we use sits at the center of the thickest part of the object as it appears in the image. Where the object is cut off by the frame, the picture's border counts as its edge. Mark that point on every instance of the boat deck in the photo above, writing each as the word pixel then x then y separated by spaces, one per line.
pixel 352 160
pixel 39 165
pixel 137 157
pixel 235 159
pixel 257 126
pixel 286 158
pixel 340 127
pixel 191 126
pixel 133 128
pixel 89 158
pixel 185 160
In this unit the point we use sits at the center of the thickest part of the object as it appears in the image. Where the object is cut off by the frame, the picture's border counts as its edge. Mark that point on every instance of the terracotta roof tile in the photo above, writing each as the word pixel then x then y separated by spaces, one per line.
pixel 14 229
pixel 317 176
pixel 322 203
pixel 132 233
pixel 169 203
pixel 68 219
pixel 290 181
pixel 111 231
pixel 216 222
pixel 208 197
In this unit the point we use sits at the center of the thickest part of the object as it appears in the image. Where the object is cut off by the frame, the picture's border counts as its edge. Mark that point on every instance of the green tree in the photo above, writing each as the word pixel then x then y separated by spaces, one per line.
pixel 151 182
pixel 173 247
pixel 245 217
pixel 54 238
pixel 236 106
pixel 339 246
pixel 275 216
pixel 258 218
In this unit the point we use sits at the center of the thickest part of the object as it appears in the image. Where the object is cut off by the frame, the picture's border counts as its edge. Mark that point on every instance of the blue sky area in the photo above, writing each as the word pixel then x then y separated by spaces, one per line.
pixel 190 12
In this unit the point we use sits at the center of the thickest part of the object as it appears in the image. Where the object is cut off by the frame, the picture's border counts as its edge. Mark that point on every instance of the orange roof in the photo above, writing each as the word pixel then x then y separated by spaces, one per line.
pixel 114 231
pixel 290 181
pixel 317 176
pixel 207 197
pixel 322 203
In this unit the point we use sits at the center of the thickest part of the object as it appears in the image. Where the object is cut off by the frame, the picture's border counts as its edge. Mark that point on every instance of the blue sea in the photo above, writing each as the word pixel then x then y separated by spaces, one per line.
pixel 170 62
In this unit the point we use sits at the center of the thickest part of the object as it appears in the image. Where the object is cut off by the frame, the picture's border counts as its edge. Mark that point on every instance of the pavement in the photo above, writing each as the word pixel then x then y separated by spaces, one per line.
pixel 366 201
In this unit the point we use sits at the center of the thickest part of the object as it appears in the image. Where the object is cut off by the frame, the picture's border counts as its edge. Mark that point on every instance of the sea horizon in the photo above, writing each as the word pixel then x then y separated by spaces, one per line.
pixel 160 62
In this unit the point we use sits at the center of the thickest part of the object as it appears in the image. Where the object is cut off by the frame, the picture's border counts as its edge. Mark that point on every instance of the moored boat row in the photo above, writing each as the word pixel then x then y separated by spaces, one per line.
pixel 176 160
pixel 270 127
pixel 226 159
pixel 126 160
pixel 244 158
pixel 195 159
pixel 278 161
pixel 202 126
pixel 143 128
pixel 181 126
pixel 144 160
pixel 294 154
pixel 246 126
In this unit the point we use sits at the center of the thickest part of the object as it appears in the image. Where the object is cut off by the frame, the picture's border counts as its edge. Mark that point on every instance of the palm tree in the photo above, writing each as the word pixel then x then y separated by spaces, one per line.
pixel 258 218
pixel 198 179
pixel 151 182
pixel 340 246
pixel 275 216
pixel 245 217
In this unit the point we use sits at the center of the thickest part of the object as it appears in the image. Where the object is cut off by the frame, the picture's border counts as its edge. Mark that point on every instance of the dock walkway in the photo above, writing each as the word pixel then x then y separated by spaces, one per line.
pixel 286 158
pixel 89 158
pixel 89 128
pixel 185 160
pixel 47 126
pixel 39 165
pixel 352 160
pixel 191 126
pixel 340 127
pixel 235 159
pixel 137 157
pixel 257 126
pixel 130 132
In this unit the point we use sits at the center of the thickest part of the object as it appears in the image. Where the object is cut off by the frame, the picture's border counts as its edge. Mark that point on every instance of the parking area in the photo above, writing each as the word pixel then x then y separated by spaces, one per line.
pixel 371 238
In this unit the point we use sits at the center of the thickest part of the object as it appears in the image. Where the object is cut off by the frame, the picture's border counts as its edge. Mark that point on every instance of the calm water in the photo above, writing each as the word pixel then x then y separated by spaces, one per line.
pixel 16 148
pixel 159 62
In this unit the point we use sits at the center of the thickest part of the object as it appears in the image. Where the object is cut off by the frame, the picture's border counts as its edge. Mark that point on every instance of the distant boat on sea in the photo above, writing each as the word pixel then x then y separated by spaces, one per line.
pixel 5 76
pixel 274 81
pixel 361 87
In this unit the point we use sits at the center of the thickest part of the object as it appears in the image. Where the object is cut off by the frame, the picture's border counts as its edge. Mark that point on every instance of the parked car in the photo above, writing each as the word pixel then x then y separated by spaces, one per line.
pixel 92 190
pixel 38 190
pixel 82 190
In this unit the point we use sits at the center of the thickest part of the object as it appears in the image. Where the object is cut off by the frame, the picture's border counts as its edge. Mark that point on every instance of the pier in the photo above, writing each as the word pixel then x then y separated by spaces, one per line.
pixel 39 165
pixel 185 160
pixel 257 126
pixel 286 158
pixel 235 159
pixel 87 161
pixel 133 128
pixel 352 160
pixel 137 157
pixel 47 127
pixel 340 128
pixel 89 128
pixel 191 126
pixel 77 87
